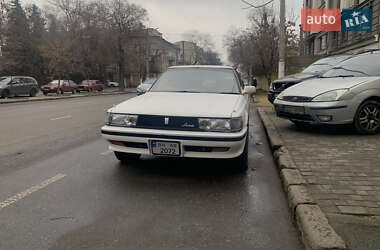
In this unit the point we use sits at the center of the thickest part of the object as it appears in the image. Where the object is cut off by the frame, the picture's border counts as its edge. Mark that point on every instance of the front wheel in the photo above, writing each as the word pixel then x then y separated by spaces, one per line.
pixel 73 91
pixel 367 118
pixel 300 124
pixel 5 94
pixel 126 157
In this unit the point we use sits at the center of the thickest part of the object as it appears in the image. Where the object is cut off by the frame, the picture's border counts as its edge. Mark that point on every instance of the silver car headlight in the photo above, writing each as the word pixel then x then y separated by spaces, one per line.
pixel 330 96
pixel 121 120
pixel 280 96
pixel 221 125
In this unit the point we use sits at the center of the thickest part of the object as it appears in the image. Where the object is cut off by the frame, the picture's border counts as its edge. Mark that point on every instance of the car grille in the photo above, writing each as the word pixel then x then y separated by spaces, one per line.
pixel 168 122
pixel 297 98
pixel 299 117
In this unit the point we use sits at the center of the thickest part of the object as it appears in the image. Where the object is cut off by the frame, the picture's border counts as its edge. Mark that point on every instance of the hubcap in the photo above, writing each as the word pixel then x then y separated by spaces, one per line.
pixel 369 117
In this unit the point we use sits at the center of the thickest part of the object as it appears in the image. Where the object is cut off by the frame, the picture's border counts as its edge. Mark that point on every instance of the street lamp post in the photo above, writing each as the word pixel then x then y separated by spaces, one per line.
pixel 281 63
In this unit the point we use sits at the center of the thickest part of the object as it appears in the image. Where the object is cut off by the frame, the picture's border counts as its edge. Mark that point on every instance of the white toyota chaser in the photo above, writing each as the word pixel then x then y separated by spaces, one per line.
pixel 190 111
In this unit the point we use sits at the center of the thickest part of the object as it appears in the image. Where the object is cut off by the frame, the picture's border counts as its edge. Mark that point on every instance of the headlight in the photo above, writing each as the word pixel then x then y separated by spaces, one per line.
pixel 330 96
pixel 280 96
pixel 221 125
pixel 121 120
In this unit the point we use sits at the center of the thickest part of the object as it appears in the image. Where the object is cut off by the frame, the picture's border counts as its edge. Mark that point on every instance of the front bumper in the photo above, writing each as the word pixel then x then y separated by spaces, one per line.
pixel 340 112
pixel 193 144
pixel 49 90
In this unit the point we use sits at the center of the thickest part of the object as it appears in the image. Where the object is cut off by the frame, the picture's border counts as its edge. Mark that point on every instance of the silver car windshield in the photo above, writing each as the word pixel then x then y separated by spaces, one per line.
pixel 325 64
pixel 197 80
pixel 4 80
pixel 358 66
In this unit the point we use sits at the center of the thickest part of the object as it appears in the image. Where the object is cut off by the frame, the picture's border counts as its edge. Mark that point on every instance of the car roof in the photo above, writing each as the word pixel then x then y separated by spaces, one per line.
pixel 201 66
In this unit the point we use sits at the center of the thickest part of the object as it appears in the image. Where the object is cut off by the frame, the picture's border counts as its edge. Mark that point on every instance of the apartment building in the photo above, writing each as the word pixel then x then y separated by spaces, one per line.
pixel 327 43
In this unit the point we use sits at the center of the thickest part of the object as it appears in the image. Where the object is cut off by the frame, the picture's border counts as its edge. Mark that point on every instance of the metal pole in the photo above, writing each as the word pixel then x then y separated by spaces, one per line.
pixel 281 64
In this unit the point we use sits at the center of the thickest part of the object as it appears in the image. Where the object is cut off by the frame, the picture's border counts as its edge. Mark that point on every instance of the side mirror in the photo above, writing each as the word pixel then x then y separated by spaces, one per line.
pixel 249 90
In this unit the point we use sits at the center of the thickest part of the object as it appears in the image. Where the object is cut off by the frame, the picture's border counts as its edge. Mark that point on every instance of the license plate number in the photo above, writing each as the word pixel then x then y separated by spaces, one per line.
pixel 293 110
pixel 166 148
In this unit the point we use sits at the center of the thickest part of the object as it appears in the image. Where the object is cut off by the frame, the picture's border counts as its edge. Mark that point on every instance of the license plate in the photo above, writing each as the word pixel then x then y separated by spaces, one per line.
pixel 293 110
pixel 166 148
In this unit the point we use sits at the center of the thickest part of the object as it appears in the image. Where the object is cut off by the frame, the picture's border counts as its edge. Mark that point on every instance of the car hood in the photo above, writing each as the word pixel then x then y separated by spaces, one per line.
pixel 296 77
pixel 180 104
pixel 314 87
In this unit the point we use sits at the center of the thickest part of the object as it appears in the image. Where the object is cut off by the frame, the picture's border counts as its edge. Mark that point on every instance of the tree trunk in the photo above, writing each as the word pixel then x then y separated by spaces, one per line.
pixel 121 65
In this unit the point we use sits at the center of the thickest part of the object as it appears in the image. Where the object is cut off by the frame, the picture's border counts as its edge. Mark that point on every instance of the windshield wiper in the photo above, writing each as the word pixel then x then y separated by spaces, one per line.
pixel 226 93
pixel 337 76
pixel 351 70
pixel 186 91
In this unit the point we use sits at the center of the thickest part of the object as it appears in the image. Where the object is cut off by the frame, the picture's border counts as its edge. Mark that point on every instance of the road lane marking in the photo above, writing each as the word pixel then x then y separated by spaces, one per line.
pixel 108 152
pixel 30 191
pixel 60 118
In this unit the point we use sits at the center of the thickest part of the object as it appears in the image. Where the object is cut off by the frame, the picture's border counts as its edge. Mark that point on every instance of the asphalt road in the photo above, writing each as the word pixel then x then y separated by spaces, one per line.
pixel 60 188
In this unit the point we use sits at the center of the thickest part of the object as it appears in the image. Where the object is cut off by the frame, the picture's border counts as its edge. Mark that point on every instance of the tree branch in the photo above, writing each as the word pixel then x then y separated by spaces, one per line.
pixel 250 5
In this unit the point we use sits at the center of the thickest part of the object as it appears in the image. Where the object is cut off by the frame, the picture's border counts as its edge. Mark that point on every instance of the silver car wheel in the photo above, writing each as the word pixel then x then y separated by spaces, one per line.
pixel 368 118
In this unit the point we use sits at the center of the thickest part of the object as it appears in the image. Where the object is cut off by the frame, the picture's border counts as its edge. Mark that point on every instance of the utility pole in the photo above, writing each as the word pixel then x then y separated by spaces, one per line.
pixel 281 64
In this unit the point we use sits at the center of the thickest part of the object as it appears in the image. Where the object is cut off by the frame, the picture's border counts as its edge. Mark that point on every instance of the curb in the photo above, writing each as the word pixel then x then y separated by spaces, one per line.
pixel 316 232
pixel 53 98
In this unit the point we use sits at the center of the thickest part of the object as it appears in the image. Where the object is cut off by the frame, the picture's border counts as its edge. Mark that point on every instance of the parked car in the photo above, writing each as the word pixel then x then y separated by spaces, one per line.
pixel 315 70
pixel 145 86
pixel 113 84
pixel 59 87
pixel 190 111
pixel 18 85
pixel 349 93
pixel 90 85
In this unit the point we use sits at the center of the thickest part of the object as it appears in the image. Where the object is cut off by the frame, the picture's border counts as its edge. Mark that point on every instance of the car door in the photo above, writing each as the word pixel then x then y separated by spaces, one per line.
pixel 73 85
pixel 16 86
pixel 26 86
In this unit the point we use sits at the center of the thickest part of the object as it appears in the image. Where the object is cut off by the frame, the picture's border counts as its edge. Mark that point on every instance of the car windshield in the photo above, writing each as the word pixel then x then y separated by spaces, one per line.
pixel 358 66
pixel 150 81
pixel 325 64
pixel 197 80
pixel 87 82
pixel 4 80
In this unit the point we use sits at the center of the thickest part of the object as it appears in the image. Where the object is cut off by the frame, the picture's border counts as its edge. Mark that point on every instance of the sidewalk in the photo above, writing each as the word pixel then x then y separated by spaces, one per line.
pixel 40 97
pixel 342 173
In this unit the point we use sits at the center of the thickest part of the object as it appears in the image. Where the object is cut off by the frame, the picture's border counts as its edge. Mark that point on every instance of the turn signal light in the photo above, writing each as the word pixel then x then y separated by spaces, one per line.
pixel 220 149
pixel 119 143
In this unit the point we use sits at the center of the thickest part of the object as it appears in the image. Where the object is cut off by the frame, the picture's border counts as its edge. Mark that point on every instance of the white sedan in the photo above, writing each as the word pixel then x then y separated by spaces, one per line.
pixel 190 111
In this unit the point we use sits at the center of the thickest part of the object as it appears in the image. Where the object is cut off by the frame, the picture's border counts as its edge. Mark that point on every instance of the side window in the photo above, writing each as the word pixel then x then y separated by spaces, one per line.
pixel 27 80
pixel 16 80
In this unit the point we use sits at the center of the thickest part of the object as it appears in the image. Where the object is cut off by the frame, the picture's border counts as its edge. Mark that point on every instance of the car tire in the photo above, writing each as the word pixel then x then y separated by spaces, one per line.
pixel 241 161
pixel 126 157
pixel 33 93
pixel 73 91
pixel 300 124
pixel 45 93
pixel 367 118
pixel 5 94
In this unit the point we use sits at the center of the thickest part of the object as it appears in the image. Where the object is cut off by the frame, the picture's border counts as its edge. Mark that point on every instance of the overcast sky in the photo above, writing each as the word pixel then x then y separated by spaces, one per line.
pixel 215 17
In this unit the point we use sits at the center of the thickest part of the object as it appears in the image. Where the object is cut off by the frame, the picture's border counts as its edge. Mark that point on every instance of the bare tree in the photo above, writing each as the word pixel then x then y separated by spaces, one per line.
pixel 205 48
pixel 124 18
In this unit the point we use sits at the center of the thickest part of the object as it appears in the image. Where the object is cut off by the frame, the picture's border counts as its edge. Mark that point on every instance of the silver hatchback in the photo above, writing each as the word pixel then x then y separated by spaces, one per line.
pixel 347 94
pixel 18 85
